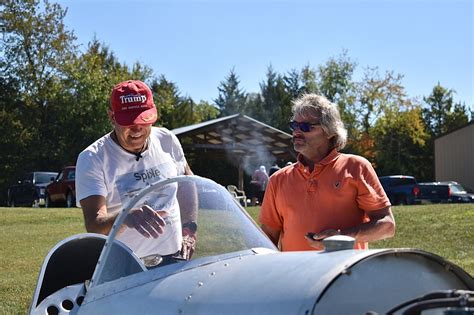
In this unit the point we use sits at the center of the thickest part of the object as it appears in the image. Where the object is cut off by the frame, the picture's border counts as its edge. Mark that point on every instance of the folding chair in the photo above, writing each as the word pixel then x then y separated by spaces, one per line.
pixel 239 195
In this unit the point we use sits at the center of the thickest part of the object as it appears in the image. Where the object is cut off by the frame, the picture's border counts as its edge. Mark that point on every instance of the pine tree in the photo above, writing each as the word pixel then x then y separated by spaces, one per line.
pixel 231 99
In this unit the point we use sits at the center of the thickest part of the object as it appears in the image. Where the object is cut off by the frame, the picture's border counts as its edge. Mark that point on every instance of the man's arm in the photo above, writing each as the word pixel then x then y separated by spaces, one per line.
pixel 380 226
pixel 272 233
pixel 96 218
pixel 187 170
pixel 188 199
pixel 188 204
pixel 145 220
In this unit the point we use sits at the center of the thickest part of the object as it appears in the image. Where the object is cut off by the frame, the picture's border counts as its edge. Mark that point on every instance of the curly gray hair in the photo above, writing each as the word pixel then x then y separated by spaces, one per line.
pixel 313 105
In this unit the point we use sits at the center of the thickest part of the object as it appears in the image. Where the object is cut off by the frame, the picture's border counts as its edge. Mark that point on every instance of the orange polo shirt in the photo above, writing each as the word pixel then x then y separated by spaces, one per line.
pixel 333 196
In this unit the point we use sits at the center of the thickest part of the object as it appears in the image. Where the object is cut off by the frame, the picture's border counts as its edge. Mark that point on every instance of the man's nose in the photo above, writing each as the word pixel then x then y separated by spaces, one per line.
pixel 136 128
pixel 297 131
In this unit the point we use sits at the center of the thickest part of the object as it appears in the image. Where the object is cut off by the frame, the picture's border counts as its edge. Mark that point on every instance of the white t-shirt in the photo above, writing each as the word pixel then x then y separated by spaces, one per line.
pixel 106 169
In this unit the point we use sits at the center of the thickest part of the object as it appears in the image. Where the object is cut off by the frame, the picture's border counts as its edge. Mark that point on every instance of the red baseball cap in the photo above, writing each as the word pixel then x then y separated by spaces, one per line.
pixel 132 104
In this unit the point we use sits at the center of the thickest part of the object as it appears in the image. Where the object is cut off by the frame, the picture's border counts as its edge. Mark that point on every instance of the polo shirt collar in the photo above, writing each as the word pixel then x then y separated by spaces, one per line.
pixel 331 157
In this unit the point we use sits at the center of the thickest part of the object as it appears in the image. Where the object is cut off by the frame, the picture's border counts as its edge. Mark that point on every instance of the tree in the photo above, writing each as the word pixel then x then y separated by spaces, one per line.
pixel 293 89
pixel 176 111
pixel 274 99
pixel 400 141
pixel 166 96
pixel 231 99
pixel 36 48
pixel 459 117
pixel 392 134
pixel 299 82
pixel 335 82
pixel 293 83
pixel 377 95
pixel 206 111
pixel 253 105
pixel 439 104
pixel 308 80
pixel 184 113
pixel 15 136
pixel 335 79
pixel 440 115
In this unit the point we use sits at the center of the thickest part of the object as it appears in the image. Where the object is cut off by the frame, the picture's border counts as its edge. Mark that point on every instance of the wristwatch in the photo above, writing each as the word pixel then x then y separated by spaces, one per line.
pixel 191 226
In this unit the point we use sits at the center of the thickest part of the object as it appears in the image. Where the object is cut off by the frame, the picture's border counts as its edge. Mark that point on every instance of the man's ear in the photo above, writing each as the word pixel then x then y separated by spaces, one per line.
pixel 111 115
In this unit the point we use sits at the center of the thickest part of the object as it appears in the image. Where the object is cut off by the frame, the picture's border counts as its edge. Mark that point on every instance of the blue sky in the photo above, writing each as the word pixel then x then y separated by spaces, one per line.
pixel 196 43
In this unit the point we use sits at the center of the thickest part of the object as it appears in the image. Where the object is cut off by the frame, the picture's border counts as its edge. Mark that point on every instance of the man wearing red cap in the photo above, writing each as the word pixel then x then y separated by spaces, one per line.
pixel 129 158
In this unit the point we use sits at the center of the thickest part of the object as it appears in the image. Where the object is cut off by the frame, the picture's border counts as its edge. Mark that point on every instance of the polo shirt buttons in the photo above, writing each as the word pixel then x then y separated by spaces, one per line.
pixel 313 183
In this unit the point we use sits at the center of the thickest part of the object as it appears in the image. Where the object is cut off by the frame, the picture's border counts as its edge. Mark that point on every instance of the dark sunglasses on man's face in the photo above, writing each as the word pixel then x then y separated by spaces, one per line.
pixel 303 126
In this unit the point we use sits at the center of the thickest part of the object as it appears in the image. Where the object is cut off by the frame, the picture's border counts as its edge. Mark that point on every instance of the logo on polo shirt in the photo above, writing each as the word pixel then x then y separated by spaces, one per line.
pixel 337 184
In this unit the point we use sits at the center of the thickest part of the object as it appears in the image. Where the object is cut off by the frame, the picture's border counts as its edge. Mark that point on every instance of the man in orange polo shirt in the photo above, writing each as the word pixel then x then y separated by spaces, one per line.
pixel 325 192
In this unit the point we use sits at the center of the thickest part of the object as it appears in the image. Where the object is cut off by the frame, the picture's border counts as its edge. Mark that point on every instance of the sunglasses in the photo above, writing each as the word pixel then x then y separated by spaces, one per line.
pixel 303 126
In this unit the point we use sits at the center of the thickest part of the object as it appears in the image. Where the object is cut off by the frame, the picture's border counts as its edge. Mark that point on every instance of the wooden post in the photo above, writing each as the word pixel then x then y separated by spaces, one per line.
pixel 241 175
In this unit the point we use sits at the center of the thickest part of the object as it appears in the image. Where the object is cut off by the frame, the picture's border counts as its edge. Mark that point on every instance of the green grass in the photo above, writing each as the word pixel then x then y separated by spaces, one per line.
pixel 27 234
pixel 222 223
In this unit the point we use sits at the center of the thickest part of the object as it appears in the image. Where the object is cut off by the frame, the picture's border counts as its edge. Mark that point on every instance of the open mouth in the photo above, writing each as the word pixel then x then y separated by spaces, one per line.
pixel 135 137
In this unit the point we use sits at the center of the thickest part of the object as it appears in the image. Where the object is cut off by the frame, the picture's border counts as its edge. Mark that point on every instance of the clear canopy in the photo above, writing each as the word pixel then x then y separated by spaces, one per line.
pixel 197 218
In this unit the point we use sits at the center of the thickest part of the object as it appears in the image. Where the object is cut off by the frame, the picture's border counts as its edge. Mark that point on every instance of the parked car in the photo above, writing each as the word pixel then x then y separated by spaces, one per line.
pixel 400 189
pixel 448 191
pixel 433 192
pixel 62 191
pixel 30 190
pixel 458 193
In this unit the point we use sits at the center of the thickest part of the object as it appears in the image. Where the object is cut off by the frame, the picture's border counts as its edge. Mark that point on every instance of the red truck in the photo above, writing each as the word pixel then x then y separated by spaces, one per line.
pixel 62 191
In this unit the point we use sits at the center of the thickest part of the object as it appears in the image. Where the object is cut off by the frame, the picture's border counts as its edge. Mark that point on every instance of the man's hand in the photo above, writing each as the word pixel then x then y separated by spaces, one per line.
pixel 315 239
pixel 189 240
pixel 146 221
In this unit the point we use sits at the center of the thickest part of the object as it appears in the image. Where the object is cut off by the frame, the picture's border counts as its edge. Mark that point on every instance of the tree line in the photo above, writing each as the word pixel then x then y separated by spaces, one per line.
pixel 54 98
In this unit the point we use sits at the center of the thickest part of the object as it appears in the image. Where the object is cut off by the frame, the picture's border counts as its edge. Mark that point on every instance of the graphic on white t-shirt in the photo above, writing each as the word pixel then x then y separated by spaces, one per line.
pixel 105 169
pixel 163 199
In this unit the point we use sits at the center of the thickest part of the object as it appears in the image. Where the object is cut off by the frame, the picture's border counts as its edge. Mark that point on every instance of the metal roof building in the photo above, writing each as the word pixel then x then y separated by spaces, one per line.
pixel 239 139
pixel 454 156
